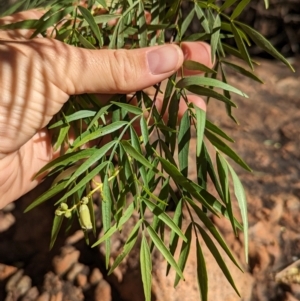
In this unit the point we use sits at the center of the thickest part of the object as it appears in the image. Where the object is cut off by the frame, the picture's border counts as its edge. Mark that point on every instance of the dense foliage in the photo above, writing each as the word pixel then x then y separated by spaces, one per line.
pixel 136 172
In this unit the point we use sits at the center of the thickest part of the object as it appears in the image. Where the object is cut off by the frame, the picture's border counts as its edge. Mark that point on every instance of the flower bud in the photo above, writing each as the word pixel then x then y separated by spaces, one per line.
pixel 68 214
pixel 64 206
pixel 85 217
pixel 58 212
pixel 85 200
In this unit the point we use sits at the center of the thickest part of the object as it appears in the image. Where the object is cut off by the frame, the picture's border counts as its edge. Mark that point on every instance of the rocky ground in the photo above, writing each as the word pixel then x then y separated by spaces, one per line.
pixel 268 137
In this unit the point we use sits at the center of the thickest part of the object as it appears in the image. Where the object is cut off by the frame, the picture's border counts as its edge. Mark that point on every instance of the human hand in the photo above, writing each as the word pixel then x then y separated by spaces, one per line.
pixel 39 75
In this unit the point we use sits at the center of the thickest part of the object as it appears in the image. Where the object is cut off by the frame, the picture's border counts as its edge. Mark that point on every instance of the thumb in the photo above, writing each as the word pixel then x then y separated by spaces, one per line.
pixel 77 70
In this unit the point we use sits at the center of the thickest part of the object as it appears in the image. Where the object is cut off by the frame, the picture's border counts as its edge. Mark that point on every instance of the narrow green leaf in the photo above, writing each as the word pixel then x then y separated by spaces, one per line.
pixel 62 137
pixel 120 33
pixel 206 81
pixel 213 249
pixel 242 201
pixel 164 217
pixel 162 205
pixel 13 7
pixel 177 219
pixel 91 21
pixel 106 209
pixel 164 250
pixel 86 179
pixel 168 154
pixel 224 180
pixel 200 126
pixel 75 116
pixel 85 43
pixel 184 137
pixel 193 65
pixel 168 93
pixel 201 273
pixel 264 44
pixel 227 94
pixel 57 222
pixel 239 9
pixel 215 36
pixel 201 167
pixel 172 11
pixel 100 19
pixel 225 26
pixel 66 159
pixel 215 129
pixel 211 171
pixel 98 115
pixel 44 23
pixel 126 174
pixel 241 45
pixel 172 119
pixel 202 18
pixel 46 195
pixel 153 196
pixel 26 24
pixel 266 4
pixel 184 252
pixel 210 93
pixel 227 4
pixel 145 132
pixel 105 130
pixel 125 217
pixel 96 156
pixel 222 146
pixel 243 71
pixel 129 244
pixel 195 190
pixel 135 142
pixel 129 108
pixel 141 20
pixel 135 154
pixel 213 230
pixel 146 268
pixel 186 23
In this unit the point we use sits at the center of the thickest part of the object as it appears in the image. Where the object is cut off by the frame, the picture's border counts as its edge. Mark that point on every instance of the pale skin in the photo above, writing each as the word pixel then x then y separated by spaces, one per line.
pixel 37 77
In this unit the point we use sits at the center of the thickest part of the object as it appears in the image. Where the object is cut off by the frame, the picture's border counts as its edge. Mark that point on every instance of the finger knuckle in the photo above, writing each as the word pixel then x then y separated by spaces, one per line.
pixel 125 70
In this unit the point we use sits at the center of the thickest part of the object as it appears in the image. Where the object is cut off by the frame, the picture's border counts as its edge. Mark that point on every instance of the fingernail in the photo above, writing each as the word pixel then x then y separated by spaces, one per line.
pixel 163 59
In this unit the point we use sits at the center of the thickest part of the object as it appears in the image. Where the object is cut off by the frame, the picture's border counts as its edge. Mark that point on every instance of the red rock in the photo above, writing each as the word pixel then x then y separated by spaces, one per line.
pixel 76 269
pixel 13 281
pixel 102 291
pixel 95 277
pixel 81 280
pixel 18 285
pixel 44 297
pixel 6 271
pixel 62 263
pixel 77 236
pixel 31 295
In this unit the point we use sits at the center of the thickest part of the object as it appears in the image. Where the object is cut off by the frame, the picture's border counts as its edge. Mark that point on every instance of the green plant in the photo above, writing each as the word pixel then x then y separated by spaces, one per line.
pixel 132 163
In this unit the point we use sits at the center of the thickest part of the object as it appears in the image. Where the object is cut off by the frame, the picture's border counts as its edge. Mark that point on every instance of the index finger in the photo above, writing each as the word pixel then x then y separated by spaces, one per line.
pixel 199 52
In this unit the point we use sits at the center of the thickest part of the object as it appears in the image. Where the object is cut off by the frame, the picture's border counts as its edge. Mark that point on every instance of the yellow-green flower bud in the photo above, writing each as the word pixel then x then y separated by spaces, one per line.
pixel 68 214
pixel 85 200
pixel 64 206
pixel 58 212
pixel 85 217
